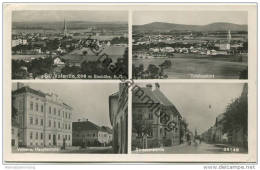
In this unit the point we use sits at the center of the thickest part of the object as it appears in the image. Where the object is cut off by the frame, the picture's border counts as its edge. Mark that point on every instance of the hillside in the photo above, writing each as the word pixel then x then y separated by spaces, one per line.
pixel 161 26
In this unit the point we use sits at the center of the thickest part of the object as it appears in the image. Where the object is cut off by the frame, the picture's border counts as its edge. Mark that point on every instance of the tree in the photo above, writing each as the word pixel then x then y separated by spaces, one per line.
pixel 153 71
pixel 236 115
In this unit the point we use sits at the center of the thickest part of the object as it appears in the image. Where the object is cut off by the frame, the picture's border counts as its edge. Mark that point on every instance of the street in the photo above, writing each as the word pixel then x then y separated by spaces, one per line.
pixel 202 148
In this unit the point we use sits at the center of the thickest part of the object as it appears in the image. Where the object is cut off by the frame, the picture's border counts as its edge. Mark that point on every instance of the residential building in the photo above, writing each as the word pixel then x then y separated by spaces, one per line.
pixel 118 113
pixel 156 121
pixel 86 133
pixel 220 136
pixel 44 119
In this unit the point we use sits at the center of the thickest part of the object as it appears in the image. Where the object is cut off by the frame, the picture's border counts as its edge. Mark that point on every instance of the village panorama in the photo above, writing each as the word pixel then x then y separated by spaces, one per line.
pixel 69 49
pixel 175 49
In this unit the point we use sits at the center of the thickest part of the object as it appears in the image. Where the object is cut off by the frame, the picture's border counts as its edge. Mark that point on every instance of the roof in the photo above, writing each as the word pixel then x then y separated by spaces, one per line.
pixel 107 129
pixel 165 101
pixel 155 95
pixel 147 92
pixel 27 89
pixel 114 52
pixel 84 125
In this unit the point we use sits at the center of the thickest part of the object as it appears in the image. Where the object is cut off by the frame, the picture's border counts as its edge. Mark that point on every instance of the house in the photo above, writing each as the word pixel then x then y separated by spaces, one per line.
pixel 87 133
pixel 220 136
pixel 118 113
pixel 57 61
pixel 155 119
pixel 44 119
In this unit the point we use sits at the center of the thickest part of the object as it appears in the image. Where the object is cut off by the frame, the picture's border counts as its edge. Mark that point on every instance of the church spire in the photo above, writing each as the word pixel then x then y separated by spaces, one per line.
pixel 65 31
pixel 229 36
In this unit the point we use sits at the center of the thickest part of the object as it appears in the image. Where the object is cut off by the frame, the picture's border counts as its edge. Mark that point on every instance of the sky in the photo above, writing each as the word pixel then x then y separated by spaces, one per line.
pixel 89 100
pixel 189 17
pixel 55 16
pixel 193 101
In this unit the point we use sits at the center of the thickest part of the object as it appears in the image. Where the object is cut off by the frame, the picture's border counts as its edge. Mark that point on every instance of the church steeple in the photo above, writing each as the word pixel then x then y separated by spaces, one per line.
pixel 65 31
pixel 229 36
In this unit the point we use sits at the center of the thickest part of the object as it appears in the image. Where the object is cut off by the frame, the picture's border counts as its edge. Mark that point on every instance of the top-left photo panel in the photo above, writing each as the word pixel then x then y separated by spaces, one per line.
pixel 65 44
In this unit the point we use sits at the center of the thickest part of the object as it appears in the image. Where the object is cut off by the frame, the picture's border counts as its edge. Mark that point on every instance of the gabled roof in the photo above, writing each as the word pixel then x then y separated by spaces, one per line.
pixel 155 95
pixel 165 101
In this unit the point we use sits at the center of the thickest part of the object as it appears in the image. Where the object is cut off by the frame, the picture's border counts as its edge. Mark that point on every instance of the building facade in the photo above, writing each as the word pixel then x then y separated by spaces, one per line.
pixel 118 113
pixel 43 119
pixel 156 121
pixel 86 133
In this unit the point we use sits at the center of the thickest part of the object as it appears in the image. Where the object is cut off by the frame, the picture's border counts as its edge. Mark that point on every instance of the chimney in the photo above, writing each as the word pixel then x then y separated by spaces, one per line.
pixel 157 85
pixel 149 86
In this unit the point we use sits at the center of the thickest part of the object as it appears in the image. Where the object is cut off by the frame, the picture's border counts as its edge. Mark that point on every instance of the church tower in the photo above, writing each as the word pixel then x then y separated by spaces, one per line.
pixel 65 31
pixel 229 36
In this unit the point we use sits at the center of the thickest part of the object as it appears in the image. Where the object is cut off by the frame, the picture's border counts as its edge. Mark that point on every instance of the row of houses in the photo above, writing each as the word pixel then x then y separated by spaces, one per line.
pixel 236 136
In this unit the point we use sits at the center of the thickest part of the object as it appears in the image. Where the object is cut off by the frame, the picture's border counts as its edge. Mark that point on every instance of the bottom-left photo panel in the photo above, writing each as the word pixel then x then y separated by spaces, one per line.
pixel 69 117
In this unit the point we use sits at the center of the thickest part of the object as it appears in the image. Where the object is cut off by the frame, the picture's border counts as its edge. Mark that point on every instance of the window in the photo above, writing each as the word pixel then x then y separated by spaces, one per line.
pixel 31 135
pixel 41 135
pixel 69 137
pixel 69 126
pixel 54 111
pixel 20 105
pixel 36 107
pixel 66 137
pixel 66 115
pixel 54 124
pixel 69 115
pixel 65 126
pixel 150 116
pixel 49 123
pixel 63 114
pixel 150 133
pixel 36 121
pixel 93 134
pixel 49 136
pixel 41 122
pixel 31 106
pixel 31 120
pixel 36 136
pixel 58 136
pixel 59 113
pixel 58 124
pixel 41 108
pixel 49 109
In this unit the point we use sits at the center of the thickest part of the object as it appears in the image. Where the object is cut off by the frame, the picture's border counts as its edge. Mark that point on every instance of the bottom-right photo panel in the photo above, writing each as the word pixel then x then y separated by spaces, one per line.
pixel 189 118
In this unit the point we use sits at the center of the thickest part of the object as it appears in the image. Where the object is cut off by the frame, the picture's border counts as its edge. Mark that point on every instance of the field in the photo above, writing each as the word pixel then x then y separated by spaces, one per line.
pixel 187 67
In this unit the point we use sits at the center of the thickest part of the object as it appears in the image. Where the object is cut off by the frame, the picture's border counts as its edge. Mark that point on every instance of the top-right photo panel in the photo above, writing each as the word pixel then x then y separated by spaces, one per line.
pixel 190 45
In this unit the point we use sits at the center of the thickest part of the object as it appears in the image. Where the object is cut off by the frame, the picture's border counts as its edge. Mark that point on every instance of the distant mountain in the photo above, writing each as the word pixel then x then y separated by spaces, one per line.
pixel 162 26
pixel 70 25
